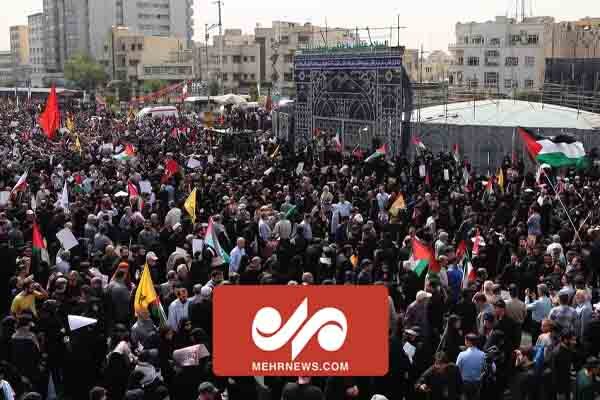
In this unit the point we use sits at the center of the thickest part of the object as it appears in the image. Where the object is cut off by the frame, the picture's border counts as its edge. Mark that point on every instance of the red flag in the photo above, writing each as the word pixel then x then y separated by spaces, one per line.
pixel 129 150
pixel 133 191
pixel 269 103
pixel 171 168
pixel 38 240
pixel 461 250
pixel 49 120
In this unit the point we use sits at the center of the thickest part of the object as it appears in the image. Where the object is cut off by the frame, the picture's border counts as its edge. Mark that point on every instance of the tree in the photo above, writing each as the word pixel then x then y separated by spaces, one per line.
pixel 85 72
pixel 153 85
pixel 213 88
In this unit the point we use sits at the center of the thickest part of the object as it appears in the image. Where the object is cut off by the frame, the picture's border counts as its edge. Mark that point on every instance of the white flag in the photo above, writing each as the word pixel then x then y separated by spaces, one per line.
pixel 63 201
pixel 77 322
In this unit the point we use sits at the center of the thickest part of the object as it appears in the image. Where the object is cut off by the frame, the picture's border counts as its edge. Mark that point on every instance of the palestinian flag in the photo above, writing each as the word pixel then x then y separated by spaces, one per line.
pixel 455 153
pixel 422 258
pixel 146 298
pixel 558 151
pixel 212 240
pixel 418 144
pixel 337 142
pixel 127 154
pixel 171 168
pixel 21 184
pixel 38 244
pixel 380 152
pixel 463 259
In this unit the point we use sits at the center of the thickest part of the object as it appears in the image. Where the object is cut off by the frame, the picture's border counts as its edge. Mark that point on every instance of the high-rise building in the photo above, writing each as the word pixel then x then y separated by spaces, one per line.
pixel 19 44
pixel 80 26
pixel 7 69
pixel 36 47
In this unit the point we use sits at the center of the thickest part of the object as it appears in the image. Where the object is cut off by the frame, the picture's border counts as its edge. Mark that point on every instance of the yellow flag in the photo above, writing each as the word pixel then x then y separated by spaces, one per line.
pixel 145 293
pixel 78 144
pixel 190 205
pixel 398 205
pixel 70 124
pixel 500 179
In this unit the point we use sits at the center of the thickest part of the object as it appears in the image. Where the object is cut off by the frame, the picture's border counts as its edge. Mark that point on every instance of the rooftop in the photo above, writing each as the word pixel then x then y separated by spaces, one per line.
pixel 510 113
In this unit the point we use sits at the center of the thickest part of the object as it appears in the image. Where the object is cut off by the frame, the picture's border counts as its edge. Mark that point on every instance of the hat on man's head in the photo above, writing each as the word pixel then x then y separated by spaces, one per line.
pixel 207 387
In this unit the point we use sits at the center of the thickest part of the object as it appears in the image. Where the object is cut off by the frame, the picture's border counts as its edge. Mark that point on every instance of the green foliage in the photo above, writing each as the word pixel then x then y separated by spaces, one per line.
pixel 85 72
pixel 253 93
pixel 153 85
pixel 213 88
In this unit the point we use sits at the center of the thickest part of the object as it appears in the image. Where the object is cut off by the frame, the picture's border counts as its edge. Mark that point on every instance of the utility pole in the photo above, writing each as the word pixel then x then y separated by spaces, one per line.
pixel 219 3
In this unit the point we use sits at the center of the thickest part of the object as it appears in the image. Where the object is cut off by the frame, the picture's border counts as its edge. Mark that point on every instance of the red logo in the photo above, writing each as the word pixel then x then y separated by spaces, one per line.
pixel 301 330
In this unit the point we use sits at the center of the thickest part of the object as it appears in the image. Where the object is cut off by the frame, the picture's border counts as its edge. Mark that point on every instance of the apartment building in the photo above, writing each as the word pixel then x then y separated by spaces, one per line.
pixel 430 67
pixel 81 26
pixel 134 58
pixel 36 29
pixel 6 68
pixel 264 59
pixel 19 44
pixel 573 58
pixel 501 55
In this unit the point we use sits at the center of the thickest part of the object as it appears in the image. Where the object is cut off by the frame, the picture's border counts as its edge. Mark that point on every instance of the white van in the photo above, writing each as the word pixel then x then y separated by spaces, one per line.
pixel 158 112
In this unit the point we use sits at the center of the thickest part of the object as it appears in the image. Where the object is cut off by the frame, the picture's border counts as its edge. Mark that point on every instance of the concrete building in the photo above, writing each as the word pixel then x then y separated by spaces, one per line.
pixel 19 44
pixel 266 58
pixel 35 26
pixel 6 68
pixel 134 58
pixel 80 26
pixel 573 58
pixel 435 65
pixel 503 55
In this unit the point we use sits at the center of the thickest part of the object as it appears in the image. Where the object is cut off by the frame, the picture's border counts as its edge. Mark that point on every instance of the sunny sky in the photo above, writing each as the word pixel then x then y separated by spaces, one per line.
pixel 428 22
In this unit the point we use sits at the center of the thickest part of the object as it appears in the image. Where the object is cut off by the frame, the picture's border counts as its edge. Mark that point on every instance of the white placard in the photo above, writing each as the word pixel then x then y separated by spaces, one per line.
pixel 193 163
pixel 67 239
pixel 197 246
pixel 210 159
pixel 300 168
pixel 422 171
pixel 446 175
pixel 190 356
pixel 145 187
pixel 4 198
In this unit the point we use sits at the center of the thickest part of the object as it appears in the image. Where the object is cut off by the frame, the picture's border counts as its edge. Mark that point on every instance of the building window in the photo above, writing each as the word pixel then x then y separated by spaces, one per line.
pixel 473 82
pixel 477 40
pixel 492 53
pixel 491 79
pixel 285 40
pixel 245 77
pixel 253 76
pixel 473 61
pixel 515 39
pixel 237 60
pixel 252 59
pixel 507 83
pixel 303 39
pixel 428 70
pixel 237 77
pixel 288 58
pixel 288 77
pixel 224 76
pixel 528 83
pixel 245 59
pixel 140 46
pixel 224 59
pixel 466 40
pixel 495 42
pixel 511 61
pixel 133 47
pixel 529 61
pixel 533 39
pixel 133 63
pixel 459 60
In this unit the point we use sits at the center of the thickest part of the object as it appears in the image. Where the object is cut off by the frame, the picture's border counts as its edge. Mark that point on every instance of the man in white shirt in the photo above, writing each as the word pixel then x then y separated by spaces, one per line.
pixel 173 216
pixel 382 198
pixel 264 230
pixel 344 206
pixel 178 309
pixel 237 253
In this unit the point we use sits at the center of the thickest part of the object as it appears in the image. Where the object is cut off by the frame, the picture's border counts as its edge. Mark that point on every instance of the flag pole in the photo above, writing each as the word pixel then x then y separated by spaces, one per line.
pixel 563 205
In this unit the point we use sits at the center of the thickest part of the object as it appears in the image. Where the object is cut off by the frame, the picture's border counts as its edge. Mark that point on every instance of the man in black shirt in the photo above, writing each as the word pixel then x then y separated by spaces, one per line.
pixel 302 390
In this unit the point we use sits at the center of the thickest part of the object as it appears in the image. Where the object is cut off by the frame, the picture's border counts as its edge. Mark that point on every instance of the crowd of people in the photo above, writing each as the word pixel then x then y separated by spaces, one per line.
pixel 509 313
